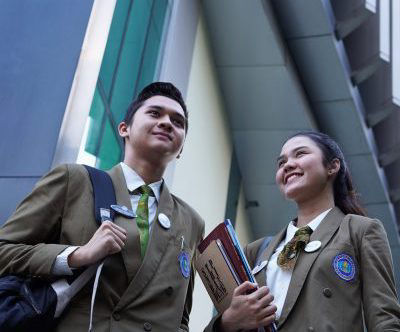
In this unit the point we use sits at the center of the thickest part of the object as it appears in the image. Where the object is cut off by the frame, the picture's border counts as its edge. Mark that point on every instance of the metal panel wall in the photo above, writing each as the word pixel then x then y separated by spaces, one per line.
pixel 40 44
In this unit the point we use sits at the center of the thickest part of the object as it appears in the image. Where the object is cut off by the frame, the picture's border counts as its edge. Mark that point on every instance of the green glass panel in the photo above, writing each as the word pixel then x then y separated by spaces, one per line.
pixel 159 12
pixel 114 44
pixel 129 63
pixel 149 59
pixel 131 57
pixel 110 152
pixel 96 118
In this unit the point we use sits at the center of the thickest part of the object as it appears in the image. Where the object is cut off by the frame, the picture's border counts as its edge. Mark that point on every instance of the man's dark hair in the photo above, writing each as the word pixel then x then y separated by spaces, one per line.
pixel 165 89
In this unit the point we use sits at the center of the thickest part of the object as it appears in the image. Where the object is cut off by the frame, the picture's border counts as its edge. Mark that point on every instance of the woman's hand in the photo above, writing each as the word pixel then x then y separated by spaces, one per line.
pixel 248 311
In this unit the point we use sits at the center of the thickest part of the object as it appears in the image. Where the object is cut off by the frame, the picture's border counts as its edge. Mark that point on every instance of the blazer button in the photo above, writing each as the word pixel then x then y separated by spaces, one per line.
pixel 147 326
pixel 169 291
pixel 116 315
pixel 327 292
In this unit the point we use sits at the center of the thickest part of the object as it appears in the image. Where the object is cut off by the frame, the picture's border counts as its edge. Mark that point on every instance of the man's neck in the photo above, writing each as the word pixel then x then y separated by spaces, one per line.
pixel 149 172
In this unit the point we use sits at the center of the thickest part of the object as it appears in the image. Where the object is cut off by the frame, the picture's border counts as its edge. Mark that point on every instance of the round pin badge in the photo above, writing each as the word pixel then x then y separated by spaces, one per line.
pixel 184 264
pixel 312 246
pixel 164 221
pixel 344 267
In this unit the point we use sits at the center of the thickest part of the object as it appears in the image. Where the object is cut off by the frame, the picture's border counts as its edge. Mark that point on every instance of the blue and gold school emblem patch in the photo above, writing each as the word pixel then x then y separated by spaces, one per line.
pixel 344 267
pixel 184 264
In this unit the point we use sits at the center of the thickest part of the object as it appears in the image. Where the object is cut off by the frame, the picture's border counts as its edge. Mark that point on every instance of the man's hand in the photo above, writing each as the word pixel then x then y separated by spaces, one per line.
pixel 108 239
pixel 248 311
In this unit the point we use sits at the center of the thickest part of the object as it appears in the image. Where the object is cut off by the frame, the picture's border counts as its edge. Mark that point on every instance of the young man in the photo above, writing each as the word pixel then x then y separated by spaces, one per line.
pixel 147 279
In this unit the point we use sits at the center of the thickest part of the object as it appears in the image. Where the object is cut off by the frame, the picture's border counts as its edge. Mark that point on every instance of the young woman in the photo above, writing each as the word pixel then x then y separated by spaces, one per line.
pixel 330 269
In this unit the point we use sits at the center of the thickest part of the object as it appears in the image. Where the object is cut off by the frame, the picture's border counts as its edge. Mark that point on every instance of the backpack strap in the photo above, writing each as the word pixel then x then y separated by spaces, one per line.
pixel 104 197
pixel 261 249
pixel 103 193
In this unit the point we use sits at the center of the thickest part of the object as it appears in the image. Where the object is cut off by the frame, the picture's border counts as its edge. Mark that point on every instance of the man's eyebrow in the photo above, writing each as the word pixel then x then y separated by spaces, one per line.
pixel 160 108
pixel 156 107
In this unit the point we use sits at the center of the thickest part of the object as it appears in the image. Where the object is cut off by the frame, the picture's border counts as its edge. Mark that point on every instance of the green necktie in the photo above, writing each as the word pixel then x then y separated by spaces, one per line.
pixel 288 256
pixel 142 216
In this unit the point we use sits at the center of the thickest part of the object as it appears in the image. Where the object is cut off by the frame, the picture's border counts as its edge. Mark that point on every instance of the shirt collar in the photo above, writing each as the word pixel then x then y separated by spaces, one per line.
pixel 134 181
pixel 313 224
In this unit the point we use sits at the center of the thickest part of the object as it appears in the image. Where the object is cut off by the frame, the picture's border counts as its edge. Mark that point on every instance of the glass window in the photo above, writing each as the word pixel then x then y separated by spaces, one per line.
pixel 130 62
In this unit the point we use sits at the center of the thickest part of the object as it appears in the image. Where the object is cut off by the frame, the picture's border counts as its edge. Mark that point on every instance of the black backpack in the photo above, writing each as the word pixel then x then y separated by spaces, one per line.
pixel 29 304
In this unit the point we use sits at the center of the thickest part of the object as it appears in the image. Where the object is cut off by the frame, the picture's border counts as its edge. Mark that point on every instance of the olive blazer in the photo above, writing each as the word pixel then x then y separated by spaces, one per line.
pixel 133 294
pixel 325 295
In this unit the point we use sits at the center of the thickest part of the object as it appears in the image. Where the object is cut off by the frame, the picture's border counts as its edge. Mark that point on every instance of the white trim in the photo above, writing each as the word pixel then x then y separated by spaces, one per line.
pixel 384 30
pixel 371 5
pixel 396 52
pixel 83 156
pixel 164 37
pixel 164 60
pixel 178 47
pixel 84 83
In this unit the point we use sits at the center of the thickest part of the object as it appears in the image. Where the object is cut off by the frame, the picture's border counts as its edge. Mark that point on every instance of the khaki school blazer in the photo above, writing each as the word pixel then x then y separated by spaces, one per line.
pixel 321 297
pixel 133 295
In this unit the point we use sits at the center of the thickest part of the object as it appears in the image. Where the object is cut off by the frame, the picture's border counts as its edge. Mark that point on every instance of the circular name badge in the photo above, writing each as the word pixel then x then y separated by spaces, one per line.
pixel 164 221
pixel 312 246
pixel 184 264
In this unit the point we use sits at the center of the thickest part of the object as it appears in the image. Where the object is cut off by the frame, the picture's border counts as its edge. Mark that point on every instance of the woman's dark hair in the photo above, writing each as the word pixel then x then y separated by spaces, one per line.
pixel 345 196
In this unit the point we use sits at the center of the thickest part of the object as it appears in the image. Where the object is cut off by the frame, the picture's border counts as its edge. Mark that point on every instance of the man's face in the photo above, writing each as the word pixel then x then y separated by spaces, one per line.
pixel 158 127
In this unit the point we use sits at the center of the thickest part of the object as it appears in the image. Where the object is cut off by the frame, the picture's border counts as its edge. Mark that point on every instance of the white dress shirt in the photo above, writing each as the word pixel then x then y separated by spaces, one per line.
pixel 278 279
pixel 133 181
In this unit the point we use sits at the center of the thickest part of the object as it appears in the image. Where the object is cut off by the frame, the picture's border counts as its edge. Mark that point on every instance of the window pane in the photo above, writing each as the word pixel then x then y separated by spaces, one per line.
pixel 129 63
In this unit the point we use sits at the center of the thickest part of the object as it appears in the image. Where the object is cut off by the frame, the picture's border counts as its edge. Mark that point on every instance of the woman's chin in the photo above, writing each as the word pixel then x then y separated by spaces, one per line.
pixel 292 193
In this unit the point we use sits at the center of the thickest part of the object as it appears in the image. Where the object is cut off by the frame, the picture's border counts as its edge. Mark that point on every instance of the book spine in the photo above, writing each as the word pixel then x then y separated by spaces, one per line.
pixel 228 262
pixel 233 255
pixel 236 244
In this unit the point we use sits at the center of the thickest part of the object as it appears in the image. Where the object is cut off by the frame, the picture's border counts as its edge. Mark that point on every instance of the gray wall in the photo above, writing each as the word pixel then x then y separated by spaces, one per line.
pixel 40 43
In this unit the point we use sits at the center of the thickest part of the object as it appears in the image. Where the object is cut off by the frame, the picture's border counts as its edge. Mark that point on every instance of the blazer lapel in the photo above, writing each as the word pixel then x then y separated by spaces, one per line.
pixel 159 239
pixel 323 233
pixel 266 256
pixel 131 252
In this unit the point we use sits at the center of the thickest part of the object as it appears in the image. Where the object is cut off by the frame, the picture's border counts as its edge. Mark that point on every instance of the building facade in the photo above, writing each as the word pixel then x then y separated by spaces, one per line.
pixel 252 73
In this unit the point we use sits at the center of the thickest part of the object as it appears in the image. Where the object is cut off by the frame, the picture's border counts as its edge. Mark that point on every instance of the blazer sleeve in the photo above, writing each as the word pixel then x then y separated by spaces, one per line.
pixel 26 238
pixel 189 295
pixel 381 306
pixel 188 303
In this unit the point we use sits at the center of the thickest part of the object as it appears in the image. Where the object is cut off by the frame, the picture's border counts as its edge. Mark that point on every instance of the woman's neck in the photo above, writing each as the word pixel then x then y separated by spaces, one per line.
pixel 312 208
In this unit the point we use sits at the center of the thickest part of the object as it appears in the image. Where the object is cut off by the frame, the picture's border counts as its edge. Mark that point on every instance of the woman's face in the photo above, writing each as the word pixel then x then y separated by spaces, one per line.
pixel 301 173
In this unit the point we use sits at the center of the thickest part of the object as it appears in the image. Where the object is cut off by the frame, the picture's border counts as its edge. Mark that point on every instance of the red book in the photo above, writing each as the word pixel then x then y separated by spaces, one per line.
pixel 220 232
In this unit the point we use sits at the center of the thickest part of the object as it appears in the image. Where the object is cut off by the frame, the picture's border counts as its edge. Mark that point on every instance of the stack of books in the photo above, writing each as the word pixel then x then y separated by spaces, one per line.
pixel 222 264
